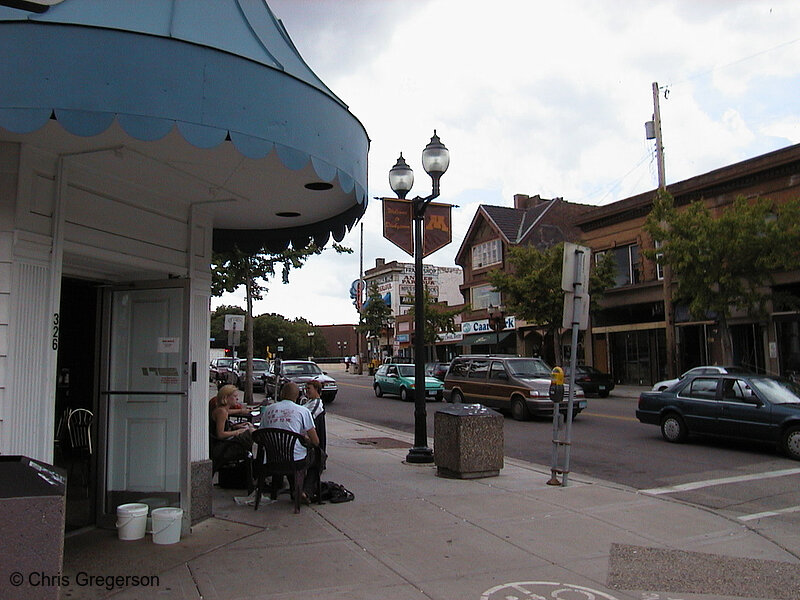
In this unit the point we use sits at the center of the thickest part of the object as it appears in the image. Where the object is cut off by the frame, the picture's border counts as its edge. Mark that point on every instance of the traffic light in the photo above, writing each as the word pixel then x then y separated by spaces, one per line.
pixel 228 352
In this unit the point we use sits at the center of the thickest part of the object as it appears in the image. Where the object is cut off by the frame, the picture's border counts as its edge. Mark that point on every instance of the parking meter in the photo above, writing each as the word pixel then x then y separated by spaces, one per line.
pixel 557 385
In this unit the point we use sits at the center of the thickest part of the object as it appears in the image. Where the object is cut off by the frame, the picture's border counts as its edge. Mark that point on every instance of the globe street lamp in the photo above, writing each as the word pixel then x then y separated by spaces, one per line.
pixel 435 160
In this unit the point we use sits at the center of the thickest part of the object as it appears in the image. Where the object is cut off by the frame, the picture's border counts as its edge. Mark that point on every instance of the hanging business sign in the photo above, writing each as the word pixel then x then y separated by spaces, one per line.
pixel 397 221
pixel 437 228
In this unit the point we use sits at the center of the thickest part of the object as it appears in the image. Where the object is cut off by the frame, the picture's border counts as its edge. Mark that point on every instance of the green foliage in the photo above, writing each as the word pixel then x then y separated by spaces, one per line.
pixel 531 286
pixel 376 315
pixel 727 262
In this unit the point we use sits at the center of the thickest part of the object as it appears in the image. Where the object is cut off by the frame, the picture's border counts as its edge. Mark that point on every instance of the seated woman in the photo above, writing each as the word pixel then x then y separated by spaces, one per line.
pixel 229 442
pixel 313 402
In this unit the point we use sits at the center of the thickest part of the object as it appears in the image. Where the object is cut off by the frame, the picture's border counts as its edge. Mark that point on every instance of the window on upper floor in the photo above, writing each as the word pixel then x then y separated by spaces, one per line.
pixel 485 296
pixel 627 262
pixel 659 266
pixel 487 253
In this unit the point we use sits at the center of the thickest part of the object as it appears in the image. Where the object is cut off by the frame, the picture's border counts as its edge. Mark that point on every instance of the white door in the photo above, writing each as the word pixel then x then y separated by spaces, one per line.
pixel 144 395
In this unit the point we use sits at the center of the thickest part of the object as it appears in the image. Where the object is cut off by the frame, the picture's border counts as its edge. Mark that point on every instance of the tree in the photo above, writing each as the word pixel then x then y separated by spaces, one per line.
pixel 726 262
pixel 438 319
pixel 376 315
pixel 231 270
pixel 531 288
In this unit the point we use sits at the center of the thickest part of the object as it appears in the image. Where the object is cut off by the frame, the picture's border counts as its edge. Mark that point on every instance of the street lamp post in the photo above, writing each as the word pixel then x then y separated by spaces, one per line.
pixel 435 160
pixel 497 321
pixel 310 335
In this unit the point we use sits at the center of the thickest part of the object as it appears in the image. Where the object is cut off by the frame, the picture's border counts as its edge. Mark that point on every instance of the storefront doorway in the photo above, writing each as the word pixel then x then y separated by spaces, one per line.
pixel 76 387
pixel 143 397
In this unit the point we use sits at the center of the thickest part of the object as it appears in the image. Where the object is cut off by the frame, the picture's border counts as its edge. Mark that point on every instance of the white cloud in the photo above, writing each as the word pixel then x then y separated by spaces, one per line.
pixel 540 97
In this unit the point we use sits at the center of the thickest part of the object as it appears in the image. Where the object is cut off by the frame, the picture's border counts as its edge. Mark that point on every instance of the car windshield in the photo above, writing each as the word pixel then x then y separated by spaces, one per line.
pixel 406 370
pixel 528 368
pixel 301 369
pixel 258 365
pixel 777 391
pixel 224 362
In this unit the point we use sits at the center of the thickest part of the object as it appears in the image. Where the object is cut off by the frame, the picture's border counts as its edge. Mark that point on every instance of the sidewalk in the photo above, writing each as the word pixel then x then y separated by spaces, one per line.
pixel 412 535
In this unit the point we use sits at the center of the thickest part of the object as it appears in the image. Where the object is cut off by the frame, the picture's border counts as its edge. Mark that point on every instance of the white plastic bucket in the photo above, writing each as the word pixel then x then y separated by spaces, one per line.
pixel 131 520
pixel 167 525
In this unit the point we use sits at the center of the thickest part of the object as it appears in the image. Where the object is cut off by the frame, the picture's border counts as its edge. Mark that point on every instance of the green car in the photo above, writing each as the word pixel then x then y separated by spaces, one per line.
pixel 399 380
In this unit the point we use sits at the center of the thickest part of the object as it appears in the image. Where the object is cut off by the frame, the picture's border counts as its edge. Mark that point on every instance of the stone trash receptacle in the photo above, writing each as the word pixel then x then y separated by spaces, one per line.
pixel 468 441
pixel 32 513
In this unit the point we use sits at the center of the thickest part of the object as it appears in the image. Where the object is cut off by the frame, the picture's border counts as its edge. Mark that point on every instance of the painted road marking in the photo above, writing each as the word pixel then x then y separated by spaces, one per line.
pixel 696 485
pixel 770 513
pixel 543 590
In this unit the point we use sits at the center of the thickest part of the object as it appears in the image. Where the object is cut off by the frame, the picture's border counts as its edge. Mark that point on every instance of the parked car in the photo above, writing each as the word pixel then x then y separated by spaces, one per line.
pixel 260 368
pixel 436 369
pixel 219 370
pixel 301 372
pixel 704 370
pixel 517 384
pixel 746 406
pixel 592 381
pixel 399 380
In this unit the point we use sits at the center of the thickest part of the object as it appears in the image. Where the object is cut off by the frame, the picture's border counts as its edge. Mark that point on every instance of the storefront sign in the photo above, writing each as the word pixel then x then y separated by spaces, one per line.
pixel 483 325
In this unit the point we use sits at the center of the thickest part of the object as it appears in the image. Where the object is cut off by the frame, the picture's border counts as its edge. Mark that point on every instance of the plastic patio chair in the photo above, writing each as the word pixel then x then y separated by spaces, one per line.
pixel 275 456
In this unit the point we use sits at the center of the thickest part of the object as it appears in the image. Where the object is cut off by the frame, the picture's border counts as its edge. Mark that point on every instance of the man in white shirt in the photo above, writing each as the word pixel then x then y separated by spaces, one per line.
pixel 287 414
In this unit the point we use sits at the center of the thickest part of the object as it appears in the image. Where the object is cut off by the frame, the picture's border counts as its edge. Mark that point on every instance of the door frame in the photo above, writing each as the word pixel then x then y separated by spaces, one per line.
pixel 104 519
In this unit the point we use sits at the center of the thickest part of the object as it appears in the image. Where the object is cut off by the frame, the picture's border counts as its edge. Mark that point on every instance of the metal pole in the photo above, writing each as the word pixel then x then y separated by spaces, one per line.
pixel 420 453
pixel 669 320
pixel 580 298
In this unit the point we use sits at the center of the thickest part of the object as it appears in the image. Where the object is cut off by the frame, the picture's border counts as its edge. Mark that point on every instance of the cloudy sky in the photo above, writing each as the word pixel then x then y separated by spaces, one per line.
pixel 538 97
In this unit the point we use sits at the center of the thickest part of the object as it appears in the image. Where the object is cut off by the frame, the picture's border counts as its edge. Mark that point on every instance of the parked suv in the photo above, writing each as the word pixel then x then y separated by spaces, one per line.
pixel 517 384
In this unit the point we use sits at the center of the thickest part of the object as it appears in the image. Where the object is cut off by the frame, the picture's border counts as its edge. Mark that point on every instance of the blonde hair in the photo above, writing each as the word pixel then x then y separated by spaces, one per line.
pixel 224 393
pixel 290 391
pixel 316 384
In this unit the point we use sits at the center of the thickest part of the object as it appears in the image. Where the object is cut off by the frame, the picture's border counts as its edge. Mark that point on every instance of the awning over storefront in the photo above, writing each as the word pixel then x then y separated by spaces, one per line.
pixel 209 90
pixel 484 339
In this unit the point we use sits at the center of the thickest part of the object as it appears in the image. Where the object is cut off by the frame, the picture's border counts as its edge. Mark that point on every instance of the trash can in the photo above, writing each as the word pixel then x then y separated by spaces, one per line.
pixel 32 512
pixel 467 441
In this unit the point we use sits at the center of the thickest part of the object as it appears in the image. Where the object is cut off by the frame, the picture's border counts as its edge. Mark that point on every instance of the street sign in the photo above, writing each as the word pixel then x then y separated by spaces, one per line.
pixel 575 267
pixel 234 322
pixel 571 302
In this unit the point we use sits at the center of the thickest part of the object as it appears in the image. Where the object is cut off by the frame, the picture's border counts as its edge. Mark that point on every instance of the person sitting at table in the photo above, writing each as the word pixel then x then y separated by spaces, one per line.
pixel 236 409
pixel 313 402
pixel 229 442
pixel 288 414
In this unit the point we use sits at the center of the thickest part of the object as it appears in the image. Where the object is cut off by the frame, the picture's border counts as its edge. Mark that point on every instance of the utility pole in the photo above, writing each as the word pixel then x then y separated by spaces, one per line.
pixel 669 316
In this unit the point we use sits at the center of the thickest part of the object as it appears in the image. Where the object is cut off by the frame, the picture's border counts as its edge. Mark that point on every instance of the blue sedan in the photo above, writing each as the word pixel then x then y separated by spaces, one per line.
pixel 751 407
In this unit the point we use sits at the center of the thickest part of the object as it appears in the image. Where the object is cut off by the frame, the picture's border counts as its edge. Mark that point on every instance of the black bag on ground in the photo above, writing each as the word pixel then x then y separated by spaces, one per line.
pixel 237 475
pixel 335 493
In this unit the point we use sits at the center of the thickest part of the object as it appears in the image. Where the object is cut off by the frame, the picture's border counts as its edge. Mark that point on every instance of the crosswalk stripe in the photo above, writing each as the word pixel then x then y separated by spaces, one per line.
pixel 696 485
pixel 770 513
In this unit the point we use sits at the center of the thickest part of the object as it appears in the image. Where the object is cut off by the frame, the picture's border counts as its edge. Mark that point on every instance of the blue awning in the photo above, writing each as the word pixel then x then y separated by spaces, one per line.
pixel 221 76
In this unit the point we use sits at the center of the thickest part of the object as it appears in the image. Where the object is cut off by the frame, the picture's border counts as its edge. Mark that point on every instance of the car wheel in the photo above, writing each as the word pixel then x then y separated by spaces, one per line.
pixel 378 390
pixel 790 442
pixel 456 397
pixel 519 410
pixel 674 429
pixel 404 395
pixel 439 396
